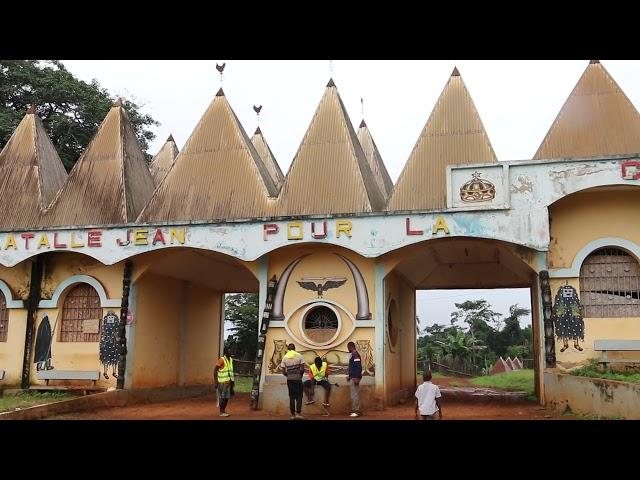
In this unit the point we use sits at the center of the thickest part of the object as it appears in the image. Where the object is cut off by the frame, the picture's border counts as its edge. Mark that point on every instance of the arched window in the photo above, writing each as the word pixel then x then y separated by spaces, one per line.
pixel 320 324
pixel 81 314
pixel 4 318
pixel 610 284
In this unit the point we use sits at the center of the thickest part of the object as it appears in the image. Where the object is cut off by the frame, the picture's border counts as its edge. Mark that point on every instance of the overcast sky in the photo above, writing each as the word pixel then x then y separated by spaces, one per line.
pixel 517 101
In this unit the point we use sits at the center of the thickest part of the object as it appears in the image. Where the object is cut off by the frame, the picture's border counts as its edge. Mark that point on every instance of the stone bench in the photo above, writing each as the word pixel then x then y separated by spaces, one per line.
pixel 606 346
pixel 53 374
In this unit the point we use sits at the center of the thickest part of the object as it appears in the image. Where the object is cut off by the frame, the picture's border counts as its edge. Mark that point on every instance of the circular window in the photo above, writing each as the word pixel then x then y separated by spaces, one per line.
pixel 392 323
pixel 320 324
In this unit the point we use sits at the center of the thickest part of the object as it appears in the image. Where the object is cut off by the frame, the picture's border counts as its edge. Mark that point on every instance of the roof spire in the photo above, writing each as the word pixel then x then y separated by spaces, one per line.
pixel 592 62
pixel 220 68
pixel 31 109
pixel 257 110
pixel 170 139
pixel 330 68
pixel 455 72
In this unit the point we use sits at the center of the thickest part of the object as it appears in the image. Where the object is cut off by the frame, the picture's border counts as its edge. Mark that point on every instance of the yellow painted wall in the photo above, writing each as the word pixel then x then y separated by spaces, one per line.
pixel 392 355
pixel 321 263
pixel 12 351
pixel 278 335
pixel 576 221
pixel 17 278
pixel 408 335
pixel 203 335
pixel 594 329
pixel 400 359
pixel 59 266
pixel 586 216
pixel 73 355
pixel 157 340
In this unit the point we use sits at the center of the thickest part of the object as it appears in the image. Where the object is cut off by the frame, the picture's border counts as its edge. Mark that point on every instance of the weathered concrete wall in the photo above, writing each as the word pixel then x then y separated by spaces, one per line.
pixel 593 396
pixel 59 268
pixel 322 262
pixel 157 342
pixel 202 340
pixel 575 222
pixel 586 216
pixel 400 340
pixel 12 351
pixel 275 397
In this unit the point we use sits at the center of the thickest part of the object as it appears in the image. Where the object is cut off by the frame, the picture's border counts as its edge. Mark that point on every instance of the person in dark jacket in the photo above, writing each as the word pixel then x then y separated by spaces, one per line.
pixel 354 377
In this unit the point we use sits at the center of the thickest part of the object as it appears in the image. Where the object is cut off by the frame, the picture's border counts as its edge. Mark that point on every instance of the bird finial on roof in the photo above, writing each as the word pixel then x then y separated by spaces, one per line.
pixel 257 110
pixel 220 68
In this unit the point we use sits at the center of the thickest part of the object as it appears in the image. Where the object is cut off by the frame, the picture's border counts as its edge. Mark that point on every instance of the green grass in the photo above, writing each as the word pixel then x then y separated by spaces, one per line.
pixel 591 370
pixel 519 380
pixel 24 400
pixel 433 375
pixel 243 384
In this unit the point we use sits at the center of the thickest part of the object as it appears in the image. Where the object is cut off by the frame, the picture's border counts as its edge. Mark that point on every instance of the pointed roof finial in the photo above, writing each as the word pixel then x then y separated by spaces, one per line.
pixel 592 62
pixel 220 68
pixel 362 124
pixel 170 139
pixel 32 109
pixel 331 84
pixel 362 107
pixel 257 110
pixel 455 72
pixel 220 93
pixel 258 131
pixel 118 102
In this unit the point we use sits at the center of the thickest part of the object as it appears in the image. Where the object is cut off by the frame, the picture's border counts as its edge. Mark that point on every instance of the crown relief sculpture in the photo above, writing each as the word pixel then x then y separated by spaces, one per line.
pixel 477 190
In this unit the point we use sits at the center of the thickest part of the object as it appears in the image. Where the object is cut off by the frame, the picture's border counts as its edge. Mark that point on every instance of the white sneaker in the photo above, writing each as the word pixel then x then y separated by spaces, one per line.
pixel 354 414
pixel 225 414
pixel 299 417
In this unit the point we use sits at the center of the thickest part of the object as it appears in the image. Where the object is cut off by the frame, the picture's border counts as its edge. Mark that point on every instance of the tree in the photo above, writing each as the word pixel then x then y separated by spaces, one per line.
pixel 512 334
pixel 241 309
pixel 71 110
pixel 477 314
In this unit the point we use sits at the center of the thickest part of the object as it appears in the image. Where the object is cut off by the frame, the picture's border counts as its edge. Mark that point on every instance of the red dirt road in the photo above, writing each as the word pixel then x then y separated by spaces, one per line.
pixel 205 408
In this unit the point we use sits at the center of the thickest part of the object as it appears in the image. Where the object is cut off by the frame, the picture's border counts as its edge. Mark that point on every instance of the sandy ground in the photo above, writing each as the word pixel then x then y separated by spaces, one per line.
pixel 205 408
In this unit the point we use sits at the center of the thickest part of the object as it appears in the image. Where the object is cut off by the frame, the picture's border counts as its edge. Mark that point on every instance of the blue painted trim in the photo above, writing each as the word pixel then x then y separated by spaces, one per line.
pixel 75 279
pixel 574 270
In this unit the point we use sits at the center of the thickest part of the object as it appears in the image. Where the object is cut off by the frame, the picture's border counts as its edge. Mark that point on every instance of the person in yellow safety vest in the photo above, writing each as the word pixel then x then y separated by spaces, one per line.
pixel 223 381
pixel 318 375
